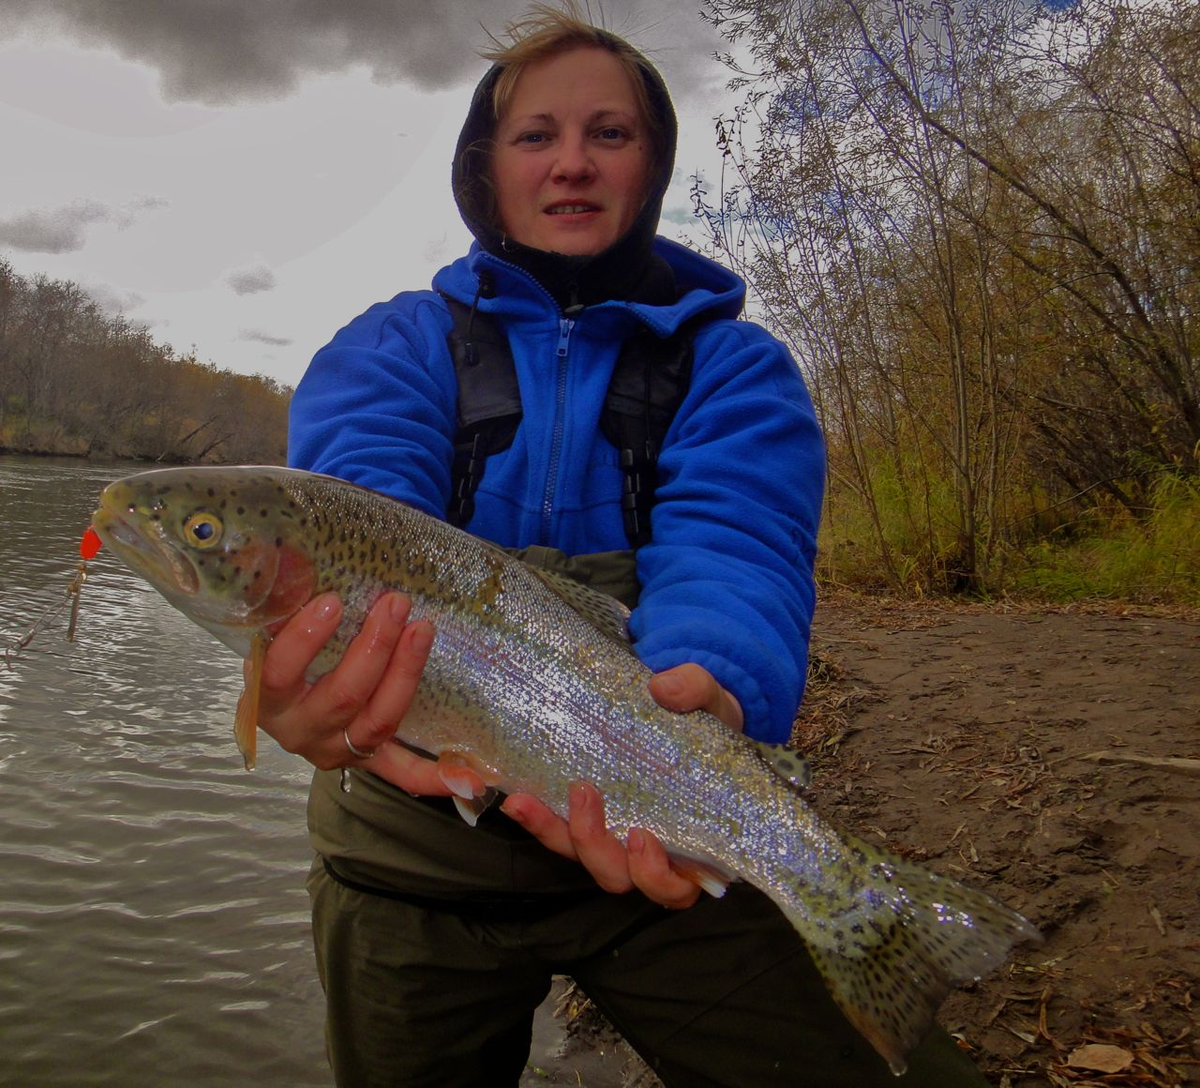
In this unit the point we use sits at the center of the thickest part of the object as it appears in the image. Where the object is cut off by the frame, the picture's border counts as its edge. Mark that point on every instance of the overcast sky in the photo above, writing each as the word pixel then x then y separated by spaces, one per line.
pixel 245 176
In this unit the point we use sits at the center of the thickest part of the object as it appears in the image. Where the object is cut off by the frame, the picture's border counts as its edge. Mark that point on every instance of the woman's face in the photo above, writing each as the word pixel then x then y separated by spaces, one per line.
pixel 572 154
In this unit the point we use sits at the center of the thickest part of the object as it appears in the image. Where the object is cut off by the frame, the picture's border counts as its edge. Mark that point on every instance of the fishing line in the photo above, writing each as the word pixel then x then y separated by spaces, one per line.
pixel 88 547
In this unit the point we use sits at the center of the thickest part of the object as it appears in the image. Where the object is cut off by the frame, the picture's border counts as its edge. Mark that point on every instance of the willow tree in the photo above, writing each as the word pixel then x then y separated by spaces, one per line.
pixel 934 203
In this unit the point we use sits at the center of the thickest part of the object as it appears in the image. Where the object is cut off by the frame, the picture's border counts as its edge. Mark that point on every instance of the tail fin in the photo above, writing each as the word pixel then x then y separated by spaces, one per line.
pixel 911 938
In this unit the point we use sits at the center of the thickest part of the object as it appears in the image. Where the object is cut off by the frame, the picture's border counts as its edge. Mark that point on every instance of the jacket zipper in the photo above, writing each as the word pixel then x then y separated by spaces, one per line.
pixel 565 325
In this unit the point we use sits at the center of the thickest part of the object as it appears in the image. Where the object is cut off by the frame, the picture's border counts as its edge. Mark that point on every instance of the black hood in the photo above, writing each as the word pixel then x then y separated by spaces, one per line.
pixel 628 269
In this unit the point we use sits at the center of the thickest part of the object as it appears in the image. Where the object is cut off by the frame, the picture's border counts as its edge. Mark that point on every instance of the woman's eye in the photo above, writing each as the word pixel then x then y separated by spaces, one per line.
pixel 531 138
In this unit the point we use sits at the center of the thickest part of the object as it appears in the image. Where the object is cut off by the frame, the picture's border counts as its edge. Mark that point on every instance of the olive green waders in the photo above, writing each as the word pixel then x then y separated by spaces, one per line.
pixel 436 942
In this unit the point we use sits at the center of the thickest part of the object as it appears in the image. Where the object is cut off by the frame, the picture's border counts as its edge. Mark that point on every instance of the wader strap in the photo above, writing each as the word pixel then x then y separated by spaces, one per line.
pixel 489 403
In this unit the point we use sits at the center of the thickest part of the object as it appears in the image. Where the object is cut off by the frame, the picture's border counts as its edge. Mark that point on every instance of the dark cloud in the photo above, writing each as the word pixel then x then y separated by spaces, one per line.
pixel 64 229
pixel 224 51
pixel 250 281
pixel 264 338
pixel 57 230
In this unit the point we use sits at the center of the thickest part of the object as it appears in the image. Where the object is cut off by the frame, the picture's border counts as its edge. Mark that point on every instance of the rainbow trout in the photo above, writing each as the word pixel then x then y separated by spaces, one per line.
pixel 533 682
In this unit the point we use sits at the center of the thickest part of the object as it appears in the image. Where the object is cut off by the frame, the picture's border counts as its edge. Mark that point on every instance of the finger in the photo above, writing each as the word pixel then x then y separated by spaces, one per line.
pixel 690 687
pixel 394 693
pixel 411 771
pixel 598 850
pixel 651 872
pixel 296 644
pixel 547 827
pixel 339 696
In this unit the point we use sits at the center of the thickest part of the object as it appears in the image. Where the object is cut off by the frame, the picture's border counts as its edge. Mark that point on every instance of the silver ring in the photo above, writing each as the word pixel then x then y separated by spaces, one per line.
pixel 354 749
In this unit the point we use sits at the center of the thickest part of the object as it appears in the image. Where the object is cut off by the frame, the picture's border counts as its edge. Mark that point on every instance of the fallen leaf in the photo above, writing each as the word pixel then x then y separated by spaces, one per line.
pixel 1100 1057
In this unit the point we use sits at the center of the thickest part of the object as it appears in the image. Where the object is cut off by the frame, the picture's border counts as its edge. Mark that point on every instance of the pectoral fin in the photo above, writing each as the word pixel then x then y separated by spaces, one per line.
pixel 706 877
pixel 471 794
pixel 245 722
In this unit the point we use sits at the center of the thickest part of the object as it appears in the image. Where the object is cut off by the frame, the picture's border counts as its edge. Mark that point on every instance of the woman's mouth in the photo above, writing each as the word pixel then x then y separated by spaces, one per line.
pixel 571 209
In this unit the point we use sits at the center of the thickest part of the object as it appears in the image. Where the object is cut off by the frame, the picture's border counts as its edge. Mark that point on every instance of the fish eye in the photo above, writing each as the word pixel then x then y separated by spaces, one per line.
pixel 203 531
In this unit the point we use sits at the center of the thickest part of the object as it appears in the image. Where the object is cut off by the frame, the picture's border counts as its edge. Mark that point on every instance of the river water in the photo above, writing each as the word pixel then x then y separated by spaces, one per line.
pixel 153 920
pixel 154 928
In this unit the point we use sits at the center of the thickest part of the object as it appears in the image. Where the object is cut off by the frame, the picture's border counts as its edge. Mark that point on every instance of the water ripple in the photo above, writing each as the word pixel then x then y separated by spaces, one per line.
pixel 153 922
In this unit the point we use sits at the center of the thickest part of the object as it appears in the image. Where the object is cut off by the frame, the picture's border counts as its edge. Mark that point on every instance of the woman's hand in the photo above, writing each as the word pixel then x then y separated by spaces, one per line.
pixel 639 862
pixel 361 701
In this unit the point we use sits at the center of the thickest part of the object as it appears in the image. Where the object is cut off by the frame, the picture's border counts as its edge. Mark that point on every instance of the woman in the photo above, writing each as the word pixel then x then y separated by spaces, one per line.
pixel 435 941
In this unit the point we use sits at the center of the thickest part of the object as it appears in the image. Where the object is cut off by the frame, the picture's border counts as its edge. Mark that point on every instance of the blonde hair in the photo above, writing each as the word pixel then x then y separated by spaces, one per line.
pixel 547 31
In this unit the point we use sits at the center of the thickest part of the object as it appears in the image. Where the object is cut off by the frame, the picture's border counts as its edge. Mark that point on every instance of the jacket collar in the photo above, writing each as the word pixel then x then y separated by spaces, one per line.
pixel 507 290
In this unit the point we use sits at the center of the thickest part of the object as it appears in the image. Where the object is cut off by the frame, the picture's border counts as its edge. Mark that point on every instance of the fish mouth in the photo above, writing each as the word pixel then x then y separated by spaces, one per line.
pixel 150 556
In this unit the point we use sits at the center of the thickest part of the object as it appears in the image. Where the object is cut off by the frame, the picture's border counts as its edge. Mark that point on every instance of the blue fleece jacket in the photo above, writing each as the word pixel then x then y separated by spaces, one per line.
pixel 727 580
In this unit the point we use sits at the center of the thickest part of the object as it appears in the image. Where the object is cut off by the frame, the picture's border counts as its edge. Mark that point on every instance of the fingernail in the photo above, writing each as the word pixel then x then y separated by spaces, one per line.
pixel 398 607
pixel 669 685
pixel 422 636
pixel 578 795
pixel 327 606
pixel 637 842
pixel 513 812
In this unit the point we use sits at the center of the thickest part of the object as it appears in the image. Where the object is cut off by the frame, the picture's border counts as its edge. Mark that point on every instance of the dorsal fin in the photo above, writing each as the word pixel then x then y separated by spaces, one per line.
pixel 608 615
pixel 789 764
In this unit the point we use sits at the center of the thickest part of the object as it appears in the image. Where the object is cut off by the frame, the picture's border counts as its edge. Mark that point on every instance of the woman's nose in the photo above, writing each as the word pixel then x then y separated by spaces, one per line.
pixel 574 161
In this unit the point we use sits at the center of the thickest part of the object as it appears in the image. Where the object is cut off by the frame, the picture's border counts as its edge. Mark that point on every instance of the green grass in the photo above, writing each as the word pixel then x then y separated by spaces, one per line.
pixel 1105 554
pixel 1155 559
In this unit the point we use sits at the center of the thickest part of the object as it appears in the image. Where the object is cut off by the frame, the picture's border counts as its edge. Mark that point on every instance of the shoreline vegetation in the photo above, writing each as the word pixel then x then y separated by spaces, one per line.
pixel 76 448
pixel 76 381
pixel 152 443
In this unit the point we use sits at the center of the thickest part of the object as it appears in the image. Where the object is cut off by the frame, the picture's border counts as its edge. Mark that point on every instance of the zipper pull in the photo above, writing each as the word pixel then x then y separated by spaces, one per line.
pixel 565 325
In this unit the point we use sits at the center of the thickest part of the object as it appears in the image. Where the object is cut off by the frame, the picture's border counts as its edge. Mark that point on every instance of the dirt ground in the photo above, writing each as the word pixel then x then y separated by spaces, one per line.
pixel 1051 757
